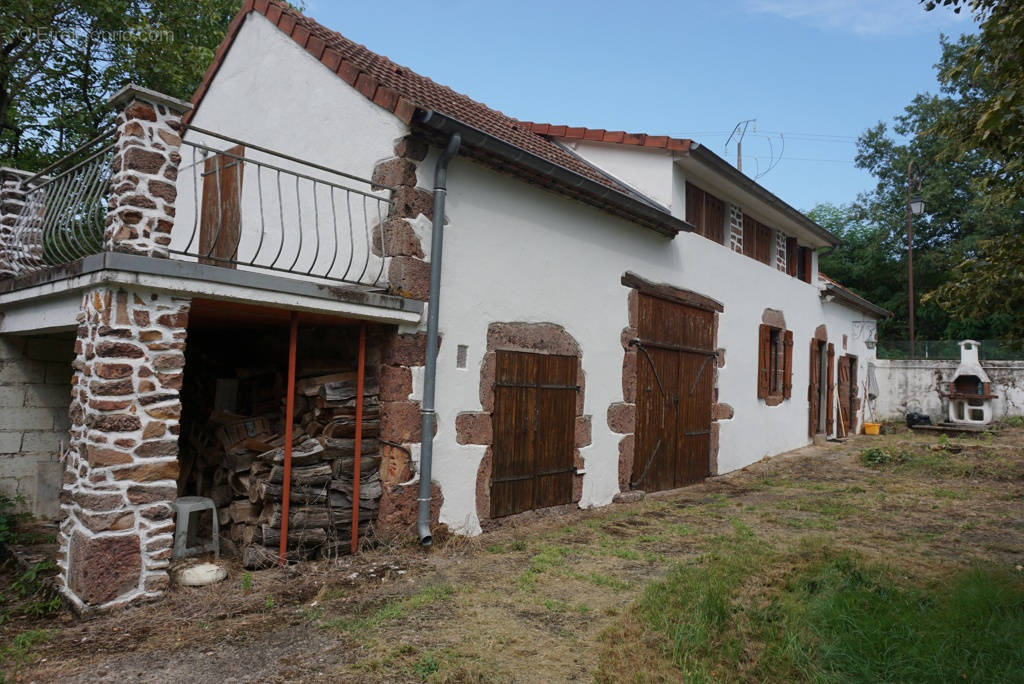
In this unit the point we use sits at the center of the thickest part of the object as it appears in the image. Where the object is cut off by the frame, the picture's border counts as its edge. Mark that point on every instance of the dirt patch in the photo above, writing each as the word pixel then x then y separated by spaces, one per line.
pixel 530 602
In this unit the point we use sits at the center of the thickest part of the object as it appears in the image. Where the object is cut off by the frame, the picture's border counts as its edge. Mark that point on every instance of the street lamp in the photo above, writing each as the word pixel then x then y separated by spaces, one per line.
pixel 915 207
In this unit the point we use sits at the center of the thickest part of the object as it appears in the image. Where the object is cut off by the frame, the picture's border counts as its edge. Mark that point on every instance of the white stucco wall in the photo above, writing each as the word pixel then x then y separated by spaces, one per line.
pixel 913 385
pixel 272 93
pixel 648 170
pixel 517 253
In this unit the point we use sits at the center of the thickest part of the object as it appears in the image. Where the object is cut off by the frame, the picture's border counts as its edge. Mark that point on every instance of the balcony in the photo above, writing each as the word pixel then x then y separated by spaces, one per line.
pixel 159 204
pixel 232 204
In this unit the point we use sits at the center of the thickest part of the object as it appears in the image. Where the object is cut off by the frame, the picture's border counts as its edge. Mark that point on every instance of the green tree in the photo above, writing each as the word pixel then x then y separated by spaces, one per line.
pixel 960 219
pixel 61 59
pixel 866 261
pixel 986 78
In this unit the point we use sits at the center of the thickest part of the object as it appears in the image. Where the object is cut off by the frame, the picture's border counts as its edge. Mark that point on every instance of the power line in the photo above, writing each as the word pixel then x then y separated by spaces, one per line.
pixel 811 159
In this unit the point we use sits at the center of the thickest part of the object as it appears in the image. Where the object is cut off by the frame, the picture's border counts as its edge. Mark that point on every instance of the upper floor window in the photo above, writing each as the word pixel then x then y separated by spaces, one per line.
pixel 706 213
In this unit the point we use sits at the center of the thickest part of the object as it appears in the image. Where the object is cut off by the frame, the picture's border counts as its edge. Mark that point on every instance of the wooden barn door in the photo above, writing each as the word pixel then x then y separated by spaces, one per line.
pixel 675 380
pixel 534 428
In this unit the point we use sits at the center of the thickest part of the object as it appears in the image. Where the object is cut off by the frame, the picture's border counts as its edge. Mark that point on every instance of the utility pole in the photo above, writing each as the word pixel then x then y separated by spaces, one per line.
pixel 915 207
pixel 738 131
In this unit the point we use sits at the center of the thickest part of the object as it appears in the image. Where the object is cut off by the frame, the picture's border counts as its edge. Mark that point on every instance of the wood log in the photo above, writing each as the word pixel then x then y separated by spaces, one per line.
pixel 343 390
pixel 305 453
pixel 271 536
pixel 343 447
pixel 345 426
pixel 308 475
pixel 369 488
pixel 347 406
pixel 242 533
pixel 239 483
pixel 310 387
pixel 310 517
pixel 244 511
pixel 261 491
pixel 224 515
pixel 342 467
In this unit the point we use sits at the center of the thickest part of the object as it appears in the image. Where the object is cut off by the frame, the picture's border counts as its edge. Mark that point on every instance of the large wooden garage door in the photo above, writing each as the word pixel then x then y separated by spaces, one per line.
pixel 675 376
pixel 534 426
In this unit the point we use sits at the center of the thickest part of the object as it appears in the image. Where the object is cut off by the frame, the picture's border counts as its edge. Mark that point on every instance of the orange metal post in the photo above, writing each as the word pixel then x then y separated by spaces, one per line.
pixel 360 377
pixel 289 420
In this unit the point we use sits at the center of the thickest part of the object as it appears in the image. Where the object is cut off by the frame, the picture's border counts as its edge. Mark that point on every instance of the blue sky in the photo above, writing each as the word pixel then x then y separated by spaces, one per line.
pixel 818 72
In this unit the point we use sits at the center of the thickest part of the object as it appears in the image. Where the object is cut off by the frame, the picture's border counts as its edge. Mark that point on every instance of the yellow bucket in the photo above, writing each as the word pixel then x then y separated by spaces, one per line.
pixel 872 428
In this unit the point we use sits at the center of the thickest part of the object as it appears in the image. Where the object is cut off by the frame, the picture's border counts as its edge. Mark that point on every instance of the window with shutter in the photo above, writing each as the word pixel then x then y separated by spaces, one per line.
pixel 774 364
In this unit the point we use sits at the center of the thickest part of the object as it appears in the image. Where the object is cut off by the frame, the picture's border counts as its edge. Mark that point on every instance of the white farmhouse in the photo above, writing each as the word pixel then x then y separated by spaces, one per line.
pixel 613 311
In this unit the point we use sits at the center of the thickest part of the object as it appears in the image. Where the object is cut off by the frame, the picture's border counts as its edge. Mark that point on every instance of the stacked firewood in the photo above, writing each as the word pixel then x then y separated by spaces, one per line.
pixel 249 484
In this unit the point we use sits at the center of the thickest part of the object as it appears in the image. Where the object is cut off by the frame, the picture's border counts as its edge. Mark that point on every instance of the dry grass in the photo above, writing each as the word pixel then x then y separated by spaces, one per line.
pixel 555 599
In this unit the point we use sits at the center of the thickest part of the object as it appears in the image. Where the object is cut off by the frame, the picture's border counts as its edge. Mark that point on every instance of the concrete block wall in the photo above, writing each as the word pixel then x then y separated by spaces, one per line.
pixel 35 393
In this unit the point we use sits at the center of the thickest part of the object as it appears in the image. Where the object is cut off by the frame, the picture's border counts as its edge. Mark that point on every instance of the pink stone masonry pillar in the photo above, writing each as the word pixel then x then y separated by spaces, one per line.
pixel 145 169
pixel 121 466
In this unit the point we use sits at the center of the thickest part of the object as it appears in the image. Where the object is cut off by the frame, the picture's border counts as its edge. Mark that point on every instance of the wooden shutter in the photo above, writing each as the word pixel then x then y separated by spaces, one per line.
pixel 757 239
pixel 749 237
pixel 792 256
pixel 695 207
pixel 805 253
pixel 220 225
pixel 787 367
pixel 830 403
pixel 812 388
pixel 764 354
pixel 714 218
pixel 706 213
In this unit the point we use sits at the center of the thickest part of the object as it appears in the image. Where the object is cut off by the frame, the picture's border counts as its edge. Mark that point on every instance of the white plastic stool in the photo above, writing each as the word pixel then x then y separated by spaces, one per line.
pixel 187 510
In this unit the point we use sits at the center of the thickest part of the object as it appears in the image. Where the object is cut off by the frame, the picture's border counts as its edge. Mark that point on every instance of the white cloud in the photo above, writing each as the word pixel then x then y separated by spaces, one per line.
pixel 865 17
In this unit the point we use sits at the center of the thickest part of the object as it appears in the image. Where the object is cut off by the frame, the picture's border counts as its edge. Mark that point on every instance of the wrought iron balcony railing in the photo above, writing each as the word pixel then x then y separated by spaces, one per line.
pixel 245 206
pixel 236 205
pixel 65 209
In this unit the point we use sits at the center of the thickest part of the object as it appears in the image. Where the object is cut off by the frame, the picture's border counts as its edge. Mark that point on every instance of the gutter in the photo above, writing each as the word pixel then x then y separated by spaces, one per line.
pixel 720 166
pixel 581 187
pixel 427 414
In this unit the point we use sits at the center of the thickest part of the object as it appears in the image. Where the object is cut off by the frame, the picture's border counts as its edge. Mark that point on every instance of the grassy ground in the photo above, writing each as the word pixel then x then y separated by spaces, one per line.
pixel 893 558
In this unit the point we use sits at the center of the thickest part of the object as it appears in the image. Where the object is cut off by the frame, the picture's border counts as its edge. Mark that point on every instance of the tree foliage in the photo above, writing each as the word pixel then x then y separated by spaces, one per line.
pixel 962 243
pixel 986 79
pixel 61 59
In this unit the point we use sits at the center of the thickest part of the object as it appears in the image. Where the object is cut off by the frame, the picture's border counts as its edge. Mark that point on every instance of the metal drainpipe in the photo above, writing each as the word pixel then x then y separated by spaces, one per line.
pixel 427 406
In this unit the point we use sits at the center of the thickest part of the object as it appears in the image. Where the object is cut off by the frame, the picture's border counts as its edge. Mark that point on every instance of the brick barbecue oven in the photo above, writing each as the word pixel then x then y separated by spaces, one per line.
pixel 970 392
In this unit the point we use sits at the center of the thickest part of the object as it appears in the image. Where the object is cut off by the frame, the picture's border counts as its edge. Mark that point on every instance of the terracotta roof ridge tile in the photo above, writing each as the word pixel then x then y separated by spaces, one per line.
pixel 606 136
